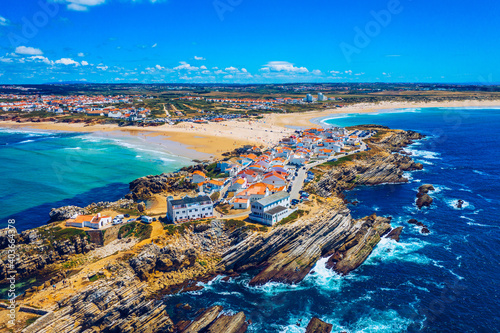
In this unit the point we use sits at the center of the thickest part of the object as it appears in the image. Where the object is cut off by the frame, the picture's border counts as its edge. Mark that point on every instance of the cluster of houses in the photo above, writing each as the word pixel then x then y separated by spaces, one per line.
pixel 260 181
pixel 58 104
pixel 130 114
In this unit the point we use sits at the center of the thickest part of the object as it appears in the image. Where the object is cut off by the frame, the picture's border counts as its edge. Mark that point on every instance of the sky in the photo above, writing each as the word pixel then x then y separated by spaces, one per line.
pixel 249 41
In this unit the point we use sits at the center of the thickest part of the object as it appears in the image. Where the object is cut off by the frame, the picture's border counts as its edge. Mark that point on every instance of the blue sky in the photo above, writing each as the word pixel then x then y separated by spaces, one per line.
pixel 249 41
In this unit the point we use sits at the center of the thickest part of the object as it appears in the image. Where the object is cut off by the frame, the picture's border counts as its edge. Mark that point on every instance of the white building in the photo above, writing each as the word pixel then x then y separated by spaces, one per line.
pixel 322 97
pixel 271 209
pixel 187 208
pixel 88 221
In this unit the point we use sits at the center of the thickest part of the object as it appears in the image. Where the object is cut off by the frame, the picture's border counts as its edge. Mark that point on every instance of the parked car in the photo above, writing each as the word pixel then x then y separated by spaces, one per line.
pixel 119 217
pixel 131 220
pixel 295 201
pixel 126 215
pixel 154 219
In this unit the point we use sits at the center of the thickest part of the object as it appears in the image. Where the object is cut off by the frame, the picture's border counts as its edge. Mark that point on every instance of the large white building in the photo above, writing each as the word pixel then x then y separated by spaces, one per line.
pixel 187 208
pixel 271 209
pixel 321 97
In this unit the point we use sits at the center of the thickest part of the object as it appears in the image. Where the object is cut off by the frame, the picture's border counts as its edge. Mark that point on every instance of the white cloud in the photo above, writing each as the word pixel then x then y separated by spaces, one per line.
pixel 158 67
pixel 334 72
pixel 244 70
pixel 81 54
pixel 82 5
pixel 77 7
pixel 205 72
pixel 316 72
pixel 84 63
pixel 199 58
pixel 283 66
pixel 42 59
pixel 155 45
pixel 203 67
pixel 4 22
pixel 231 69
pixel 185 66
pixel 67 61
pixel 102 67
pixel 28 50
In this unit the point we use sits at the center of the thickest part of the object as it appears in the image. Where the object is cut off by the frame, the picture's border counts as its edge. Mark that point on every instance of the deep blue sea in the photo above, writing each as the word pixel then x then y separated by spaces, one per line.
pixel 446 281
pixel 40 170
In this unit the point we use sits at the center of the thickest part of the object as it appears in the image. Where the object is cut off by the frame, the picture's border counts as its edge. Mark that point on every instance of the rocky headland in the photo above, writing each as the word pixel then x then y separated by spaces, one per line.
pixel 113 281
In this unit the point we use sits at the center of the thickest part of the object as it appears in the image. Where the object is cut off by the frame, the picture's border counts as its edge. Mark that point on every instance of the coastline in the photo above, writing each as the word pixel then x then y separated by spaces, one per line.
pixel 313 118
pixel 210 141
pixel 201 141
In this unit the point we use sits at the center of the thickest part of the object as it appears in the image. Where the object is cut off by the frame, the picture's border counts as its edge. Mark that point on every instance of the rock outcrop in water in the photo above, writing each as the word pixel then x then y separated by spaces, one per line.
pixel 212 321
pixel 287 254
pixel 423 198
pixel 316 325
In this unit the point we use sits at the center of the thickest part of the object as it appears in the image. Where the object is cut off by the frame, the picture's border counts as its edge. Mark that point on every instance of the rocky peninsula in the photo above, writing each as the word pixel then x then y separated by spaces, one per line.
pixel 114 280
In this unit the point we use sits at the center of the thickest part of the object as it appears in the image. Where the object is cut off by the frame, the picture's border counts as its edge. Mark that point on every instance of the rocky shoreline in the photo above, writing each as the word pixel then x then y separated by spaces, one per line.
pixel 116 293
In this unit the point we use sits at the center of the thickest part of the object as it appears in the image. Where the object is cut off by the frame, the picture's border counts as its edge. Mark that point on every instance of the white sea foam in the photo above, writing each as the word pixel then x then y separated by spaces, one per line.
pixel 430 155
pixel 388 250
pixel 411 284
pixel 380 322
pixel 26 141
pixel 452 203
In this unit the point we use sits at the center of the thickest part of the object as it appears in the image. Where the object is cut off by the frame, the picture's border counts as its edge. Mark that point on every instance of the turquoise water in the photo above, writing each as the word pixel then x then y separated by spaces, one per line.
pixel 445 281
pixel 41 170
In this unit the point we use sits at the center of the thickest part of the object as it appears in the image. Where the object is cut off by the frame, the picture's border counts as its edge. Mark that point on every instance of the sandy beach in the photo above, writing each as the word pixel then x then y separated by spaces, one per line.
pixel 310 119
pixel 197 141
pixel 209 141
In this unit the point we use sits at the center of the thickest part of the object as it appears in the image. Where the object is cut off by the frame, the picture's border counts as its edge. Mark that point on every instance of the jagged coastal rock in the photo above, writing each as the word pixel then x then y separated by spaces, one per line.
pixel 164 259
pixel 115 306
pixel 423 198
pixel 67 212
pixel 288 253
pixel 424 229
pixel 145 187
pixel 395 233
pixel 212 321
pixel 316 325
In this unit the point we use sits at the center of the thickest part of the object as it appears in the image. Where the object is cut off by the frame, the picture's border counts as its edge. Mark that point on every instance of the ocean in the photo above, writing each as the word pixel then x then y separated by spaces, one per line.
pixel 445 281
pixel 42 169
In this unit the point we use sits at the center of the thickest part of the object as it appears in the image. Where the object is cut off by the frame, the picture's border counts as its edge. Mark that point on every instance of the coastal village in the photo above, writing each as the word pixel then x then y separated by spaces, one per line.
pixel 263 186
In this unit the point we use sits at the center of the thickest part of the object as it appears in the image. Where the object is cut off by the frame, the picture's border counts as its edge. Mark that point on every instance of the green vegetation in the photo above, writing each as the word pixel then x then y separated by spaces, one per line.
pixel 73 263
pixel 96 277
pixel 234 224
pixel 211 171
pixel 30 321
pixel 215 196
pixel 347 158
pixel 59 234
pixel 172 229
pixel 135 229
pixel 292 217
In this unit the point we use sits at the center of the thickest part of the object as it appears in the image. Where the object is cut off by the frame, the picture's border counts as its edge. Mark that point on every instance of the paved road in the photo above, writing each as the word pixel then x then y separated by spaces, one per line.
pixel 298 183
